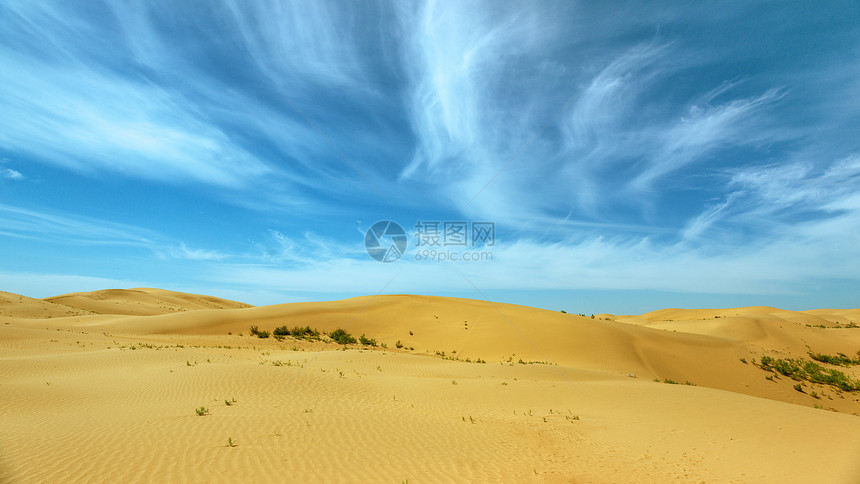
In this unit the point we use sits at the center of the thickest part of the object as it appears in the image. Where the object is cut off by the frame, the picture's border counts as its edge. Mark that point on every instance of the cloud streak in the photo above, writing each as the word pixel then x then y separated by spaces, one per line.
pixel 646 147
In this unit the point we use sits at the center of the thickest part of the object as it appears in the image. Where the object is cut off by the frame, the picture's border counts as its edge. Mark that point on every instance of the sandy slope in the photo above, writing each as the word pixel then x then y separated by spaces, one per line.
pixel 141 301
pixel 109 397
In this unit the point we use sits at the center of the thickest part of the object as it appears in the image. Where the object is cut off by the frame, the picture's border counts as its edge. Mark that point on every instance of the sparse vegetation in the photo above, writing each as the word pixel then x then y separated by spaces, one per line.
pixel 799 370
pixel 202 411
pixel 535 362
pixel 366 341
pixel 255 331
pixel 673 382
pixel 398 344
pixel 840 359
pixel 341 336
pixel 297 332
pixel 231 442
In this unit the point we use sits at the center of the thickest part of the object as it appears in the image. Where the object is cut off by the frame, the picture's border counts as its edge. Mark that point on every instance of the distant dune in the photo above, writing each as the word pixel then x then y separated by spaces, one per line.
pixel 141 302
pixel 104 386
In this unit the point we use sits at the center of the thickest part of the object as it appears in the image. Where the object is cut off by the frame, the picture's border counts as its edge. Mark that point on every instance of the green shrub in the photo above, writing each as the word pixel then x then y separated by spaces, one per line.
pixel 799 370
pixel 840 359
pixel 305 333
pixel 398 344
pixel 366 341
pixel 202 411
pixel 341 336
pixel 673 382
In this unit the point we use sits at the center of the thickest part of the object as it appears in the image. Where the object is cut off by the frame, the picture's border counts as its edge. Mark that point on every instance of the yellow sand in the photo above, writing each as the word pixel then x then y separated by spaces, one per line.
pixel 103 387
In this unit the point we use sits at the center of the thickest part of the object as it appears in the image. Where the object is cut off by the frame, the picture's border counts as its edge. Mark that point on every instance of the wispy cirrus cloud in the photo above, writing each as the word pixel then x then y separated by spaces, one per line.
pixel 76 230
pixel 634 146
pixel 130 127
pixel 182 251
pixel 147 107
pixel 703 130
pixel 42 225
pixel 611 118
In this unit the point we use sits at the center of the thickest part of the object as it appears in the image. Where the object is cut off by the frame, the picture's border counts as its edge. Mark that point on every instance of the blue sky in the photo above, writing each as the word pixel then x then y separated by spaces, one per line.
pixel 632 156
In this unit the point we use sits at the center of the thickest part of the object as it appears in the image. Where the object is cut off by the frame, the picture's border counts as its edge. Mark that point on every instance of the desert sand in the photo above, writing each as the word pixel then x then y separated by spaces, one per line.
pixel 106 387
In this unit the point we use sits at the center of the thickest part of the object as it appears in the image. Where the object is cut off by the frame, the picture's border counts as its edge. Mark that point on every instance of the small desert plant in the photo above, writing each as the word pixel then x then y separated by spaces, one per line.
pixel 366 341
pixel 305 333
pixel 398 344
pixel 229 402
pixel 231 442
pixel 341 336
pixel 202 411
pixel 799 387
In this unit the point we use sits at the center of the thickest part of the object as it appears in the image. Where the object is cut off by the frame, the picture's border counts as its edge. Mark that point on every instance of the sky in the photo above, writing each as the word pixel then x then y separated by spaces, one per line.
pixel 628 156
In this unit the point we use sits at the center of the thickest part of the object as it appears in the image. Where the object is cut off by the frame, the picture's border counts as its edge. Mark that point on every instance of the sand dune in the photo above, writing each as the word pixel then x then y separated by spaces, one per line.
pixel 141 301
pixel 555 398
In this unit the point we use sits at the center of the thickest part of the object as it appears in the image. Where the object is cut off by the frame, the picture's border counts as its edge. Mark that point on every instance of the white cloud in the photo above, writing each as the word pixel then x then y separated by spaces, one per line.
pixel 768 267
pixel 293 41
pixel 11 174
pixel 186 253
pixel 130 126
pixel 704 129
pixel 43 225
